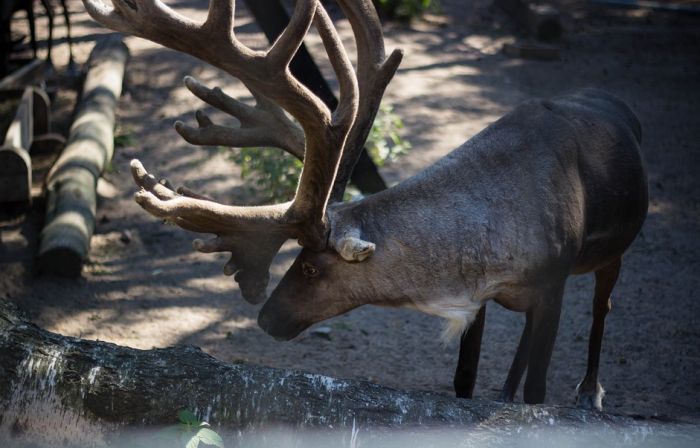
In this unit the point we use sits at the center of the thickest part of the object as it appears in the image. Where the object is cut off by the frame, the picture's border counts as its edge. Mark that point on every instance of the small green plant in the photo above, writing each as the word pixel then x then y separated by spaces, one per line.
pixel 190 432
pixel 405 9
pixel 124 140
pixel 275 173
pixel 384 143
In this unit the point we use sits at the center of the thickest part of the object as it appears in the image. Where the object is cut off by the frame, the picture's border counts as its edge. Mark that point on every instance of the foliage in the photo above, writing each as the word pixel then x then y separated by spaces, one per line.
pixel 120 140
pixel 405 9
pixel 384 143
pixel 190 433
pixel 124 140
pixel 275 173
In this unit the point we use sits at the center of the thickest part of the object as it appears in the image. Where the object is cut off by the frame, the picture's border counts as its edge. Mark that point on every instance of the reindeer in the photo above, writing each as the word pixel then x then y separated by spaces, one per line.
pixel 9 7
pixel 556 187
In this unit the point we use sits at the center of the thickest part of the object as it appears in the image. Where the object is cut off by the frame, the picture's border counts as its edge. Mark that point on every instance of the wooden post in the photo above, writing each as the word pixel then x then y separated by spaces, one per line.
pixel 15 164
pixel 71 183
pixel 29 73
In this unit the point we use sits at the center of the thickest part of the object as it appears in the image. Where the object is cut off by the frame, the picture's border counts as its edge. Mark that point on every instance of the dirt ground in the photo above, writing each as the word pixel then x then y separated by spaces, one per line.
pixel 145 287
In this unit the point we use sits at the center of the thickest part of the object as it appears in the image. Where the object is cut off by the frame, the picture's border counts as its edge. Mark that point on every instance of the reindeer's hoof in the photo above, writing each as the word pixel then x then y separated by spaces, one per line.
pixel 590 398
pixel 505 396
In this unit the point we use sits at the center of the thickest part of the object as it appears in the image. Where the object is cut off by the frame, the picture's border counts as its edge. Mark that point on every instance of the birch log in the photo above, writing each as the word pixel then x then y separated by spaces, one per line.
pixel 71 184
pixel 55 389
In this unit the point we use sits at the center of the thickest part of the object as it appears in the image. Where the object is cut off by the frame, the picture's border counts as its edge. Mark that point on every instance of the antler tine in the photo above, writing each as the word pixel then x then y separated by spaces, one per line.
pixel 367 28
pixel 151 19
pixel 374 73
pixel 221 17
pixel 345 112
pixel 321 160
pixel 263 125
pixel 287 44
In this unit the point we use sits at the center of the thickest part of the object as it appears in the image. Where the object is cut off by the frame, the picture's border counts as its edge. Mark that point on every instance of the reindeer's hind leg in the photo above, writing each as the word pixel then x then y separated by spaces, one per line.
pixel 32 28
pixel 49 14
pixel 469 350
pixel 66 17
pixel 589 392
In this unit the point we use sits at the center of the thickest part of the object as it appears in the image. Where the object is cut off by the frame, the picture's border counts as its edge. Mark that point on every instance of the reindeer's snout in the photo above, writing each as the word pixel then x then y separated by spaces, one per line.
pixel 280 325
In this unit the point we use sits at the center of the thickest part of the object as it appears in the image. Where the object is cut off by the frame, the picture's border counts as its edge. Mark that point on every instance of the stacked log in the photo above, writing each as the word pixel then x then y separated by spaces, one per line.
pixel 15 163
pixel 71 184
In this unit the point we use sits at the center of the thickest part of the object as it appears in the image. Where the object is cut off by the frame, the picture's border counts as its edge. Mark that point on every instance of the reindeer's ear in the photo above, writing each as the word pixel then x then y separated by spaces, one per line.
pixel 352 248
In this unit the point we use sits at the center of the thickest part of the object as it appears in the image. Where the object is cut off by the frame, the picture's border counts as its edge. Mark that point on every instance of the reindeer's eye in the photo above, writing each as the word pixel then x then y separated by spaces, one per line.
pixel 309 270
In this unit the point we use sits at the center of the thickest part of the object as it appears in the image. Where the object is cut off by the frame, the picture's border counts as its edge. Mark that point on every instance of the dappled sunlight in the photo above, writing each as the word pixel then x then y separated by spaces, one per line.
pixel 141 327
pixel 214 284
pixel 486 44
pixel 144 286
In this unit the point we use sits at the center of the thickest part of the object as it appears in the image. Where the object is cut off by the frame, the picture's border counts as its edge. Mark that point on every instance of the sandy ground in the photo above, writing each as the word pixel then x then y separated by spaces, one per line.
pixel 154 291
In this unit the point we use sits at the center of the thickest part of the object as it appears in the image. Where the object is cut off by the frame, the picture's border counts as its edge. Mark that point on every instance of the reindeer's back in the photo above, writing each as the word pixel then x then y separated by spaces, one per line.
pixel 563 178
pixel 554 181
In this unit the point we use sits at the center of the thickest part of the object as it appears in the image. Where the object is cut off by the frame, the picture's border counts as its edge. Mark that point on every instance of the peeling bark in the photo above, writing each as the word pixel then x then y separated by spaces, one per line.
pixel 56 388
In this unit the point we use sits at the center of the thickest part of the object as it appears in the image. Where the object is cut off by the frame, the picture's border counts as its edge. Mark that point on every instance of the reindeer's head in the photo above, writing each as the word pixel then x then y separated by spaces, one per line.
pixel 322 284
pixel 329 142
pixel 308 293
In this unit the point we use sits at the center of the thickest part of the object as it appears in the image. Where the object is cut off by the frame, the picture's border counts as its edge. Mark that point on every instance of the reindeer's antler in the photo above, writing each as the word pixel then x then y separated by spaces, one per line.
pixel 374 72
pixel 254 234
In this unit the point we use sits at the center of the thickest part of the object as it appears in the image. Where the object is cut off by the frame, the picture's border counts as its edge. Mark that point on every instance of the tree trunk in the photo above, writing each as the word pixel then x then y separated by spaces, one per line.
pixel 55 388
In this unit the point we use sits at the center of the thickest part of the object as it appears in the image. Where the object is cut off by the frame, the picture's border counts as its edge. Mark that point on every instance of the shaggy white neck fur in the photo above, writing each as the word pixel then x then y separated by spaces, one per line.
pixel 459 312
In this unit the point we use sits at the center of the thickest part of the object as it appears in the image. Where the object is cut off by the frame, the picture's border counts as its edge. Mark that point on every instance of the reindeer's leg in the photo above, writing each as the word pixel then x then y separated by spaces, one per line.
pixel 545 323
pixel 66 17
pixel 32 27
pixel 468 363
pixel 49 14
pixel 517 368
pixel 589 392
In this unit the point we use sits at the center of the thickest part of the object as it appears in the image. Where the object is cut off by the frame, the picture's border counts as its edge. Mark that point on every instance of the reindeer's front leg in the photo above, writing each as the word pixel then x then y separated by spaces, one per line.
pixel 469 350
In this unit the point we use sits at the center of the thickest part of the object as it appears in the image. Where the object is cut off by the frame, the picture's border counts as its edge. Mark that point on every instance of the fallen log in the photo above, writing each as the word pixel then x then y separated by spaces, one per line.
pixel 71 183
pixel 62 390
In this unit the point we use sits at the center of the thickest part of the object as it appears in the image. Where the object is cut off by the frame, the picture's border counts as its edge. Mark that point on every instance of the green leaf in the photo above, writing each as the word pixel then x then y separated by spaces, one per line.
pixel 210 437
pixel 124 140
pixel 187 417
pixel 193 442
